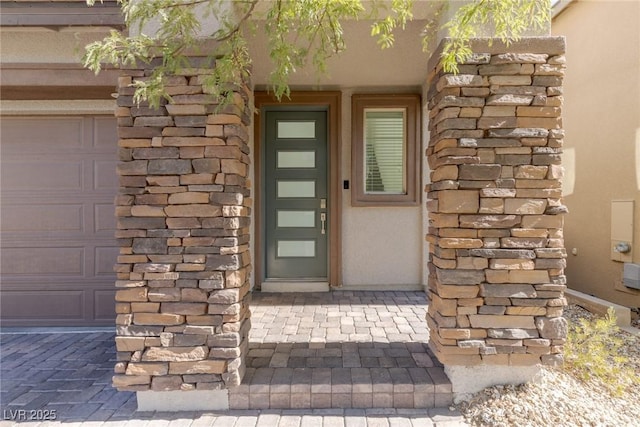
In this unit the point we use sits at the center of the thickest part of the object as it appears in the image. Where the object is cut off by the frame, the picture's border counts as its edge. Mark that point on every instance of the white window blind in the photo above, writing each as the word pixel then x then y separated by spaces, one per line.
pixel 385 154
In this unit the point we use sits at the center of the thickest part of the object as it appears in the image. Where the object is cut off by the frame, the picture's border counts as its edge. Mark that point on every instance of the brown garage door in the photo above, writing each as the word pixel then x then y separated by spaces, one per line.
pixel 58 250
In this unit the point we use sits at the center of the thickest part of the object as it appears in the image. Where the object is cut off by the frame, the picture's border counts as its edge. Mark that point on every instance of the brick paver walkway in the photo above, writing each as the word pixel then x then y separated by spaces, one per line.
pixel 341 350
pixel 68 375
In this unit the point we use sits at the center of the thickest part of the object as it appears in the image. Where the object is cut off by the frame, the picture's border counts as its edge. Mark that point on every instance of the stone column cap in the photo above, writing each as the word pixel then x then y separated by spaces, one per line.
pixel 550 45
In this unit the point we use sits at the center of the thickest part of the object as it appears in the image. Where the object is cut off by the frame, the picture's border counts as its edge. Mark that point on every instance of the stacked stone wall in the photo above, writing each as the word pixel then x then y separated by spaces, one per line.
pixel 183 226
pixel 497 254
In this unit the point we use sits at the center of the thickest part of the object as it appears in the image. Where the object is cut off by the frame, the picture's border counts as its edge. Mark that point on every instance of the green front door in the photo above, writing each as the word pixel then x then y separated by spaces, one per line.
pixel 296 204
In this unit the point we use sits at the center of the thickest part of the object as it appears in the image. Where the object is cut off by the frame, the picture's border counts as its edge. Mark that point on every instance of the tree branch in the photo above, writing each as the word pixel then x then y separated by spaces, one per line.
pixel 237 27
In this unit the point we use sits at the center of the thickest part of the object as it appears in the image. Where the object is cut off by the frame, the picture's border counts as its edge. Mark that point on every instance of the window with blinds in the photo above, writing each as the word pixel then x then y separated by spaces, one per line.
pixel 385 150
pixel 385 155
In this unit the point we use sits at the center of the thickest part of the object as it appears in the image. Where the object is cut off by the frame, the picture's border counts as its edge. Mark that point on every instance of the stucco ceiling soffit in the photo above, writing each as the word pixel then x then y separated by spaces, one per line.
pixel 422 9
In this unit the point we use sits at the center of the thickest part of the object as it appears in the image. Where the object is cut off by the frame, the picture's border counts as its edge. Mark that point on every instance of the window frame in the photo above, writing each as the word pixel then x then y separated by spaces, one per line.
pixel 411 104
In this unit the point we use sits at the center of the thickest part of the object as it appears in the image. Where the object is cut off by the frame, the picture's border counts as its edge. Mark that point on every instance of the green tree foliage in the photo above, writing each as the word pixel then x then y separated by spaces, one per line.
pixel 299 33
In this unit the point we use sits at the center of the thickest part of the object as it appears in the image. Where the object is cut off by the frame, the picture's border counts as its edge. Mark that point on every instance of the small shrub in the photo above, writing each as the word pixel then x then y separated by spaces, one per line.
pixel 592 351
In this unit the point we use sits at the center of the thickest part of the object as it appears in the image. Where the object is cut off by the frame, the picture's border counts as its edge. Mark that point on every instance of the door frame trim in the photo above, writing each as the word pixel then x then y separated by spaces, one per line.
pixel 332 102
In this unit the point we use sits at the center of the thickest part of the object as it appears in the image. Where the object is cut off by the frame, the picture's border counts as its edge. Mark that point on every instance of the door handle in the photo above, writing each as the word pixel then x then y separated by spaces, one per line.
pixel 323 222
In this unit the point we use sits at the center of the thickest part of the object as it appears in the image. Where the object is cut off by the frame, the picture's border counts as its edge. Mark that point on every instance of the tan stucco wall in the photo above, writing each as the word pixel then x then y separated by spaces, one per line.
pixel 602 146
pixel 41 45
pixel 381 246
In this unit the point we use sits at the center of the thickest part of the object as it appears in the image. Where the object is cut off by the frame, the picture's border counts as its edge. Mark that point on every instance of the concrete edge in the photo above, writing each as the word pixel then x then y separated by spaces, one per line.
pixel 631 330
pixel 469 380
pixel 403 287
pixel 600 306
pixel 273 286
pixel 179 400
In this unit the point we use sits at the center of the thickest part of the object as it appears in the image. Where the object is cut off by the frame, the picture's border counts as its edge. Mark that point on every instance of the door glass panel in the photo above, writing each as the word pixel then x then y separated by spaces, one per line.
pixel 297 129
pixel 289 189
pixel 296 159
pixel 296 248
pixel 296 218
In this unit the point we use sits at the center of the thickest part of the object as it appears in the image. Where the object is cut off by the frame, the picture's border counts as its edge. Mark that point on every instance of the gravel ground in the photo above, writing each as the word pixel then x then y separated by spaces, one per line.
pixel 558 399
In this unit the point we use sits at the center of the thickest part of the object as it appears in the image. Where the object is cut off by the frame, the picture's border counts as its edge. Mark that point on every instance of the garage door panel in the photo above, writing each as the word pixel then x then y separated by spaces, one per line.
pixel 104 304
pixel 47 261
pixel 105 219
pixel 42 175
pixel 26 222
pixel 105 133
pixel 43 305
pixel 105 259
pixel 104 176
pixel 56 284
pixel 37 218
pixel 44 134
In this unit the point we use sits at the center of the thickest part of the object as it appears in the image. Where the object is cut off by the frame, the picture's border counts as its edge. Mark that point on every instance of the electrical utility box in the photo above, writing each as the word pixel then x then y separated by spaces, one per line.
pixel 631 275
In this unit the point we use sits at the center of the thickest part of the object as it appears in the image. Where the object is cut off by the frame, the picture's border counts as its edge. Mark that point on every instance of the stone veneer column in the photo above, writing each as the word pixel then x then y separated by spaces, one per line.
pixel 496 246
pixel 183 226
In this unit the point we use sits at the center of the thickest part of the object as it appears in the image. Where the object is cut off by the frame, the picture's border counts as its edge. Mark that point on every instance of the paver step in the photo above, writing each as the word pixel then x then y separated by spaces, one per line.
pixel 319 388
pixel 341 375
pixel 340 350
